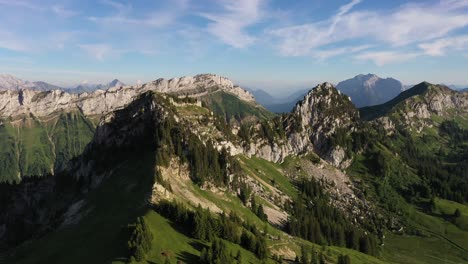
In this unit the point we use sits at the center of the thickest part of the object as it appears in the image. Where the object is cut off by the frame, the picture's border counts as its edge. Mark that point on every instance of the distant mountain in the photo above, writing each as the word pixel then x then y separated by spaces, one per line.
pixel 452 86
pixel 43 86
pixel 463 90
pixel 262 97
pixel 10 82
pixel 370 89
pixel 278 104
pixel 91 87
pixel 287 104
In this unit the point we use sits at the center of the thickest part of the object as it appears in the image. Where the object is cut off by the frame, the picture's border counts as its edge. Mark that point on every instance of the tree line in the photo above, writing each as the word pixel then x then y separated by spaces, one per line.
pixel 312 217
pixel 202 224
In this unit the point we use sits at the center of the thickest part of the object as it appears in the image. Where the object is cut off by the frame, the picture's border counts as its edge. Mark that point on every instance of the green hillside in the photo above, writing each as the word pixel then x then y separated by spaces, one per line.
pixel 373 112
pixel 234 109
pixel 33 147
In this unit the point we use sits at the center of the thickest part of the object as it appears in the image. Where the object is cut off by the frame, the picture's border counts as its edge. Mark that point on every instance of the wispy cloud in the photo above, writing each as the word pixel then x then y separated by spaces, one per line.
pixel 22 4
pixel 155 18
pixel 230 25
pixel 63 12
pixel 381 58
pixel 301 40
pixel 441 46
pixel 406 25
pixel 328 53
pixel 57 9
pixel 100 51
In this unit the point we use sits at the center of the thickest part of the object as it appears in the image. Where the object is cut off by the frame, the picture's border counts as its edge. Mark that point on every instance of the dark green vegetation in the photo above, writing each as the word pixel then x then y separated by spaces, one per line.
pixel 33 147
pixel 313 218
pixel 207 227
pixel 140 241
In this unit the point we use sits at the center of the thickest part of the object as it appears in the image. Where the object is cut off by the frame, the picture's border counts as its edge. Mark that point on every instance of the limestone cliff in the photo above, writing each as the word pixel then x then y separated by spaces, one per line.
pixel 25 101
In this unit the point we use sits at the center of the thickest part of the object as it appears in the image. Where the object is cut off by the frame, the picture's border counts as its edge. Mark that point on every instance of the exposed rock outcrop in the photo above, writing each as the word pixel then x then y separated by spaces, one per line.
pixel 416 111
pixel 100 102
pixel 318 118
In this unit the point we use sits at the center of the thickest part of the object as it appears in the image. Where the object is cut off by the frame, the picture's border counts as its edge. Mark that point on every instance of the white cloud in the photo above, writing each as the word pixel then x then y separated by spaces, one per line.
pixel 328 53
pixel 63 12
pixel 300 40
pixel 22 4
pixel 381 58
pixel 156 19
pixel 121 8
pixel 230 25
pixel 441 46
pixel 100 51
pixel 408 24
pixel 57 9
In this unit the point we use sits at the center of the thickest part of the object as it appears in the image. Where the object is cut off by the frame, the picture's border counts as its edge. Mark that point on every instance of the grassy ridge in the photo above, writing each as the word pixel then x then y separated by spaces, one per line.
pixel 373 112
pixel 233 108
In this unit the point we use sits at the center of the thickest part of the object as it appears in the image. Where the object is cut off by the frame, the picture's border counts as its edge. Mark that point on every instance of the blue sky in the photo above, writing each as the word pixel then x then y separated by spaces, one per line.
pixel 276 45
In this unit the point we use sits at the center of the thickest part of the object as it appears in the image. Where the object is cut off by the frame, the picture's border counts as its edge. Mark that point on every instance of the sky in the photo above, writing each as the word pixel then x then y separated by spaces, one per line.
pixel 275 45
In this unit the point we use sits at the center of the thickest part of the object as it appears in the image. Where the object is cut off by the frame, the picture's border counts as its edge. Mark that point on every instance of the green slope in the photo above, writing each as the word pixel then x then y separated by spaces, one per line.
pixel 376 111
pixel 232 108
pixel 35 147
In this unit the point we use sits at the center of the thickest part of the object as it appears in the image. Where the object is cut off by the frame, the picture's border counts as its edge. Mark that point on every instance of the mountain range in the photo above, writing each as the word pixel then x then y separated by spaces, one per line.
pixel 364 90
pixel 195 170
pixel 10 82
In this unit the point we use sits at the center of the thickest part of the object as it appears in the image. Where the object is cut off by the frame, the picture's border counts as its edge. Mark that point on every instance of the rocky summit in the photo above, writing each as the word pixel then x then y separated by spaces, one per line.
pixel 370 89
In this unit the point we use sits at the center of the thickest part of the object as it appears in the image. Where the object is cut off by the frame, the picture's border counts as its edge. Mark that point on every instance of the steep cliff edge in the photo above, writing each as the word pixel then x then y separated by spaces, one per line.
pixel 24 102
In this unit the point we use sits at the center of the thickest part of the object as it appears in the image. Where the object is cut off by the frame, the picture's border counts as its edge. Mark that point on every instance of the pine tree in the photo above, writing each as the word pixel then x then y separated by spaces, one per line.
pixel 239 257
pixel 140 239
pixel 304 255
pixel 321 258
pixel 457 213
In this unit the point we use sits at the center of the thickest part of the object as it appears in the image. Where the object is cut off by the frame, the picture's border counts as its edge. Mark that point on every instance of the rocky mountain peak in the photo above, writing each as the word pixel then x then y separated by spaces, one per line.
pixel 370 89
pixel 324 99
pixel 316 119
pixel 10 82
pixel 199 85
pixel 115 83
pixel 414 107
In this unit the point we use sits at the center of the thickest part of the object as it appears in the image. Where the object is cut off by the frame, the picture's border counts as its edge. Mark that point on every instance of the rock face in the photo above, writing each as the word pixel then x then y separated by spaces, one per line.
pixel 370 89
pixel 323 114
pixel 24 101
pixel 422 102
pixel 198 85
pixel 311 127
